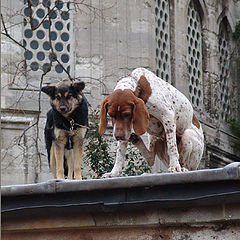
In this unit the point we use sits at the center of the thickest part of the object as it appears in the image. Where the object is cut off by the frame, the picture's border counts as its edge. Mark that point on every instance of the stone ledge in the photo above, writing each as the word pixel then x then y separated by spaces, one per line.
pixel 197 201
pixel 230 172
pixel 153 191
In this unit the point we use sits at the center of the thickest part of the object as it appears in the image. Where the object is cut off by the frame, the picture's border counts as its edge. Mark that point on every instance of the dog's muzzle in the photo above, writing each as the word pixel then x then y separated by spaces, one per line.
pixel 63 109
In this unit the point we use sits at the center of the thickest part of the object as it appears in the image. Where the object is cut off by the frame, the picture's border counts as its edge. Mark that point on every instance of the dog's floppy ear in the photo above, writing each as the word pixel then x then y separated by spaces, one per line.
pixel 103 116
pixel 78 86
pixel 49 90
pixel 140 117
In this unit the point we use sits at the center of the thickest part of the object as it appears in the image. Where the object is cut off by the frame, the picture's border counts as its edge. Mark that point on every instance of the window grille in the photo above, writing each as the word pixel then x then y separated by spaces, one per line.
pixel 37 42
pixel 224 52
pixel 162 39
pixel 194 56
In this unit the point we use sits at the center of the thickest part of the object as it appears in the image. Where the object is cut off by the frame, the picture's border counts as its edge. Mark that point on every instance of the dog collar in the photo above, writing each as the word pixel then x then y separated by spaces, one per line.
pixel 72 124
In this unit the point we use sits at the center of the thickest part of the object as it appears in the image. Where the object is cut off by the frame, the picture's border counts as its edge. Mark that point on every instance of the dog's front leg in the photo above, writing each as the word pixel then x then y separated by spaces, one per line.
pixel 170 131
pixel 148 153
pixel 78 151
pixel 53 160
pixel 120 159
pixel 59 156
pixel 70 162
pixel 60 142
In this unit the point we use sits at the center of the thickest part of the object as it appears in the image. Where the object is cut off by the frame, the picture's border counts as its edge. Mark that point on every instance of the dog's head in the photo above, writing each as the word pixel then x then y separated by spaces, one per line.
pixel 65 96
pixel 126 110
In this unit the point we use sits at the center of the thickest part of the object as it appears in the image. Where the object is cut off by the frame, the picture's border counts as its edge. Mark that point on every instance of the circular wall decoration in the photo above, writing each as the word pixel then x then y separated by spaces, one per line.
pixel 42 45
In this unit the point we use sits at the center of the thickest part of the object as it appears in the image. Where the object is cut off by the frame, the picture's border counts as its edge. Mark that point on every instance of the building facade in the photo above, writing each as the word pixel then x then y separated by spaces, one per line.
pixel 189 43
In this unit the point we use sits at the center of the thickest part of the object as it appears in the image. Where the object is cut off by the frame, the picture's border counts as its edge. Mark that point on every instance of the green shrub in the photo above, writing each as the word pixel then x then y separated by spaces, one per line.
pixel 135 163
pixel 235 125
pixel 98 153
pixel 236 33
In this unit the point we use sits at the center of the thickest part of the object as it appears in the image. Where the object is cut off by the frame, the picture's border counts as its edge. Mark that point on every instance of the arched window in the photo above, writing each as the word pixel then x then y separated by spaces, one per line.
pixel 224 63
pixel 194 55
pixel 162 39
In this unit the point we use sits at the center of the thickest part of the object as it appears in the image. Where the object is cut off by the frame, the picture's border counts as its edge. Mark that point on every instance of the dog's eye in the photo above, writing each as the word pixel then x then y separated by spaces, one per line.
pixel 111 115
pixel 126 114
pixel 58 97
pixel 69 96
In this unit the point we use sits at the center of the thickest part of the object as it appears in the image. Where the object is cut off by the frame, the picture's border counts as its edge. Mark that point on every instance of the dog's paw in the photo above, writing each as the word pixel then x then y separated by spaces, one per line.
pixel 175 168
pixel 106 175
pixel 78 177
pixel 184 169
pixel 145 174
pixel 110 174
pixel 134 138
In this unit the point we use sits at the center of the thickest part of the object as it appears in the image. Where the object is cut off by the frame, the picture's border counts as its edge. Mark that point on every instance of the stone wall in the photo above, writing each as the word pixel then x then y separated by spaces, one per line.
pixel 206 223
pixel 106 45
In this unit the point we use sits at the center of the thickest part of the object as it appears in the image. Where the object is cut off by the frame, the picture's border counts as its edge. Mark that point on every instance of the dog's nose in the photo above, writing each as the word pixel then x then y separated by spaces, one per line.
pixel 63 109
pixel 119 137
pixel 119 132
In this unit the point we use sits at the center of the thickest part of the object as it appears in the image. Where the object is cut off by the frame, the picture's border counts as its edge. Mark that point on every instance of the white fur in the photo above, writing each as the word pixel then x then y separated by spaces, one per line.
pixel 169 107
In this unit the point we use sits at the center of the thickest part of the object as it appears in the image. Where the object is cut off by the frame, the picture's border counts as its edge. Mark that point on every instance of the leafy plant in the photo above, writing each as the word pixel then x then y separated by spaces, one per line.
pixel 236 34
pixel 235 125
pixel 98 151
pixel 135 164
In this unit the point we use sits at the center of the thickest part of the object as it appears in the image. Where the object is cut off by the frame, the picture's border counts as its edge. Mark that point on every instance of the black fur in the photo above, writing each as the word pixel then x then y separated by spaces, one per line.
pixel 69 112
pixel 56 119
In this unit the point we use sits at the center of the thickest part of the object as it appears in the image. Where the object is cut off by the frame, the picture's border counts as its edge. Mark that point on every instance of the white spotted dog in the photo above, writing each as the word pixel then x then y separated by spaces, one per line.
pixel 145 102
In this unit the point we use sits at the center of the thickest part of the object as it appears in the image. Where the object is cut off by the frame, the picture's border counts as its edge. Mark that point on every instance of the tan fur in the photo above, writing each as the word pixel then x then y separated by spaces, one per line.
pixel 195 121
pixel 103 116
pixel 72 102
pixel 73 156
pixel 53 161
pixel 65 98
pixel 78 151
pixel 59 145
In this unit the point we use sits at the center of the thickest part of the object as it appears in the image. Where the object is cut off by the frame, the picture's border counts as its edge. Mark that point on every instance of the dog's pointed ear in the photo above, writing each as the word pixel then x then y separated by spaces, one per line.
pixel 140 117
pixel 78 86
pixel 49 90
pixel 103 116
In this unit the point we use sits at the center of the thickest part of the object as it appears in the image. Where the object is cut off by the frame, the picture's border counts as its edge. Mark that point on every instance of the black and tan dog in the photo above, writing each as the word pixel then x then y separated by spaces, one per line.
pixel 66 128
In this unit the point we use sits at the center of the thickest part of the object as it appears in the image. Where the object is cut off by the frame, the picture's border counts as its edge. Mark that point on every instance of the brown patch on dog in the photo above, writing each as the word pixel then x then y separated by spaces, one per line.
pixel 195 121
pixel 120 102
pixel 145 89
pixel 136 92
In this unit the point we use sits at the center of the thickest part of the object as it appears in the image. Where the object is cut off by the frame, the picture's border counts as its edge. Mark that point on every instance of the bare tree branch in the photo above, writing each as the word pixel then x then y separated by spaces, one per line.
pixel 9 36
pixel 80 6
